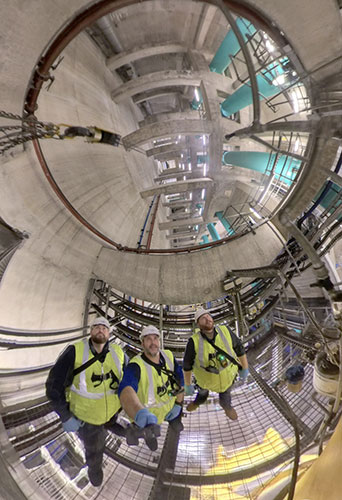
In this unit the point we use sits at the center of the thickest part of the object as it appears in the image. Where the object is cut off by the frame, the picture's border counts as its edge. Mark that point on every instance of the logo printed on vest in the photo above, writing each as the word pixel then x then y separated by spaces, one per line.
pixel 106 376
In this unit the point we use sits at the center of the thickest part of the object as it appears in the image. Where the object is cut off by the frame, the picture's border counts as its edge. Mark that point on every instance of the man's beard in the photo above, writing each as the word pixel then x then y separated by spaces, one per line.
pixel 151 353
pixel 102 340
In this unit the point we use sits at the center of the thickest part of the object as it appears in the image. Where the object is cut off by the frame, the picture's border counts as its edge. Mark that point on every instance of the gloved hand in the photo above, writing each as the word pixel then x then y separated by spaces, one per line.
pixel 174 412
pixel 243 374
pixel 72 424
pixel 189 390
pixel 144 418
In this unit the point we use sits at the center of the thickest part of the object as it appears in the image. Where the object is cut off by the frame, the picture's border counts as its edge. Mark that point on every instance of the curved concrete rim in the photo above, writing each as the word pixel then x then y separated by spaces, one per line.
pixel 186 278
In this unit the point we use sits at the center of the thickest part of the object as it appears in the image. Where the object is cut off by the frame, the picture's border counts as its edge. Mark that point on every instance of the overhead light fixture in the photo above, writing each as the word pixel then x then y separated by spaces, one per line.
pixel 203 194
pixel 269 46
pixel 279 80
pixel 294 100
pixel 257 215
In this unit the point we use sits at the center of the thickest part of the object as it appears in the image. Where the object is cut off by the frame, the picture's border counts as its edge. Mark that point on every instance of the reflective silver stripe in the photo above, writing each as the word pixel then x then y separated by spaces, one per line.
pixel 83 383
pixel 151 400
pixel 226 343
pixel 116 360
pixel 168 360
pixel 201 351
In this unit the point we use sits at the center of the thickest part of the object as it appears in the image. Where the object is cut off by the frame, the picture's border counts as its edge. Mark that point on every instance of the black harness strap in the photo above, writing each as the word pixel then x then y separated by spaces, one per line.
pixel 220 351
pixel 87 364
pixel 162 368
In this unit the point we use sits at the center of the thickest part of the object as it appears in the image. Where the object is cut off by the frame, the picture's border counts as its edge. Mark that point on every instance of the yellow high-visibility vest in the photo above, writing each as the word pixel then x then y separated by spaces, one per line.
pixel 153 389
pixel 216 382
pixel 95 401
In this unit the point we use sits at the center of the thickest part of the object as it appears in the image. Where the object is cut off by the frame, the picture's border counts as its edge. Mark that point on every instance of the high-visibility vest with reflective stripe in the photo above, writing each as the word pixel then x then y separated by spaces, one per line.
pixel 213 381
pixel 158 404
pixel 94 401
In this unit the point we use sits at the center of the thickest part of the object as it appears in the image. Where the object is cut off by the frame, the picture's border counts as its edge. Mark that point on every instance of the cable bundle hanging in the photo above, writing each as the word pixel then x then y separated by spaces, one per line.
pixel 30 128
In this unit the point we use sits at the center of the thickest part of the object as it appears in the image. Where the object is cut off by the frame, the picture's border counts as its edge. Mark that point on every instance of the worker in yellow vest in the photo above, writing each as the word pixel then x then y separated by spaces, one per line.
pixel 82 387
pixel 151 390
pixel 215 355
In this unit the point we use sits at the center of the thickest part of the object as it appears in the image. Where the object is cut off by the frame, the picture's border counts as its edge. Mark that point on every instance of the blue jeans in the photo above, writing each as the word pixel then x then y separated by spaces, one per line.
pixel 225 398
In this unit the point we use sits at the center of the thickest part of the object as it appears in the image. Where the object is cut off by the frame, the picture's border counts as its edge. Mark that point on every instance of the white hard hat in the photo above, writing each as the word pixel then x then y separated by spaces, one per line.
pixel 149 330
pixel 200 313
pixel 101 321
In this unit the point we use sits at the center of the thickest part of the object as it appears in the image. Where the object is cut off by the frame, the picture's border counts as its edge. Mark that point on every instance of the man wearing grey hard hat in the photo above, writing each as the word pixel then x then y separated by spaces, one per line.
pixel 151 390
pixel 215 355
pixel 82 387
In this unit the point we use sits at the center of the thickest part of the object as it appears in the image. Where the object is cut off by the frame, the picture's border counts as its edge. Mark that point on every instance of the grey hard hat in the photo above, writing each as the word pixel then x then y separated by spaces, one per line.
pixel 149 330
pixel 200 312
pixel 101 321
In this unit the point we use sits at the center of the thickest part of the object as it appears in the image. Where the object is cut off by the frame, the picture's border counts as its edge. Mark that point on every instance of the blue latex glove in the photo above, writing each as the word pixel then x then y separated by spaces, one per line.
pixel 189 390
pixel 144 418
pixel 72 425
pixel 243 374
pixel 174 412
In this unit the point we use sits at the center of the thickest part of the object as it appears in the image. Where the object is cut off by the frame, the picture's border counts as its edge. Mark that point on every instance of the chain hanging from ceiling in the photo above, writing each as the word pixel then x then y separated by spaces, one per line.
pixel 30 128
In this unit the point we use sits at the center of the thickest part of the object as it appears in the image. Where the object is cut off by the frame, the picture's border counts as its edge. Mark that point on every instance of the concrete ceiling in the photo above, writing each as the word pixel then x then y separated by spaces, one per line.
pixel 158 51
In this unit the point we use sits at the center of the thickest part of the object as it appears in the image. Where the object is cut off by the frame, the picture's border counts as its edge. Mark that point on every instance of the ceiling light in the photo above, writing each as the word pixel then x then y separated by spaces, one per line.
pixel 294 100
pixel 296 145
pixel 269 46
pixel 257 215
pixel 279 80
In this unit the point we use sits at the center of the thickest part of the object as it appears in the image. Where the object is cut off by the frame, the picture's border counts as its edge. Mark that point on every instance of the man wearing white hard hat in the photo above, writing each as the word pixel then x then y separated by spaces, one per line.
pixel 215 355
pixel 82 387
pixel 151 390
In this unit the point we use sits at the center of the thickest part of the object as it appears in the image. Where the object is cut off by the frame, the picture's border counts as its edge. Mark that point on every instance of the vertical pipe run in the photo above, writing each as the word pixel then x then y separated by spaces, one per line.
pixel 161 326
pixel 150 233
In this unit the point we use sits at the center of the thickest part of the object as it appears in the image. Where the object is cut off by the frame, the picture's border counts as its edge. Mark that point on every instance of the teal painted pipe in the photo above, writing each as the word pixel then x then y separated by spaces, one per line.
pixel 212 230
pixel 205 239
pixel 230 46
pixel 224 222
pixel 328 198
pixel 202 159
pixel 243 96
pixel 258 161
